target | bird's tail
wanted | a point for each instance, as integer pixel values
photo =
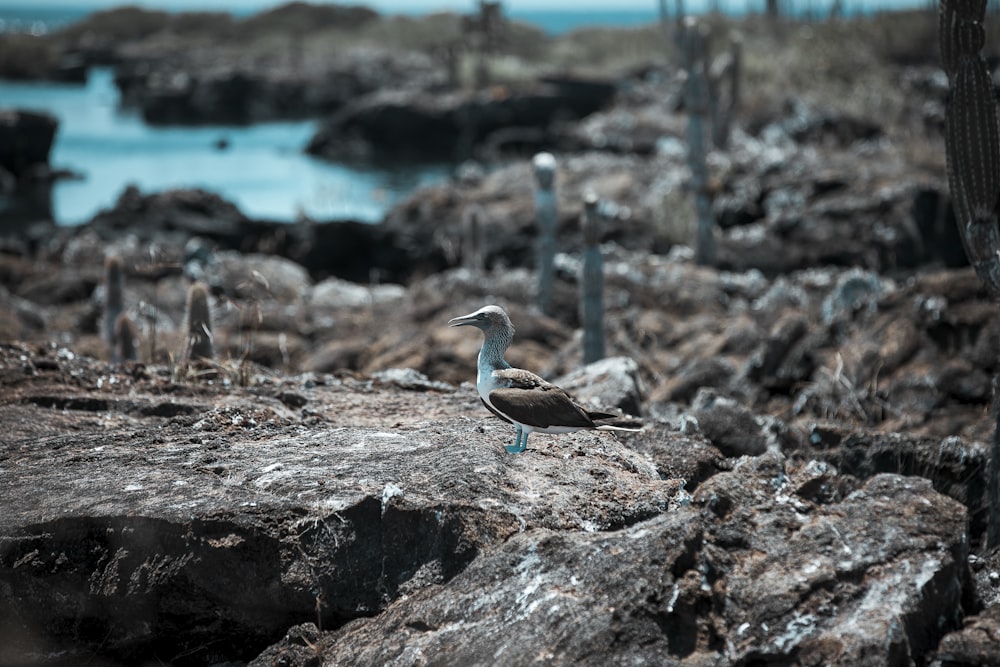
(610, 427)
(608, 422)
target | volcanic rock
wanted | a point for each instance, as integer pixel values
(746, 571)
(25, 141)
(26, 177)
(416, 124)
(163, 520)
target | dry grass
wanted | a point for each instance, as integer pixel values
(608, 51)
(121, 24)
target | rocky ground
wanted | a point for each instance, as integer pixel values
(349, 486)
(807, 487)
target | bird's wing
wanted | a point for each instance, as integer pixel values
(597, 414)
(518, 378)
(532, 401)
(493, 410)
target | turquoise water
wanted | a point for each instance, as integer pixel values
(264, 171)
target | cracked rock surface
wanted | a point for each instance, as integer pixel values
(210, 523)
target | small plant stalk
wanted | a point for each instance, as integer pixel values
(726, 69)
(127, 339)
(592, 283)
(472, 239)
(546, 216)
(114, 303)
(696, 100)
(199, 324)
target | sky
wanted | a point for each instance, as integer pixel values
(386, 6)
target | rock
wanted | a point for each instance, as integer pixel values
(977, 643)
(783, 358)
(746, 571)
(960, 380)
(189, 93)
(259, 278)
(902, 340)
(333, 293)
(790, 223)
(409, 379)
(854, 290)
(19, 316)
(180, 98)
(641, 129)
(678, 453)
(337, 355)
(731, 427)
(225, 81)
(417, 125)
(174, 215)
(351, 250)
(25, 141)
(72, 284)
(178, 510)
(808, 126)
(985, 566)
(357, 251)
(26, 177)
(955, 467)
(712, 372)
(609, 383)
(303, 16)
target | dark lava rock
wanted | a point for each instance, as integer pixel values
(711, 372)
(195, 90)
(745, 573)
(421, 125)
(25, 140)
(200, 535)
(955, 467)
(609, 383)
(730, 426)
(173, 214)
(346, 249)
(808, 126)
(977, 643)
(26, 178)
(149, 513)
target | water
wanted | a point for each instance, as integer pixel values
(263, 171)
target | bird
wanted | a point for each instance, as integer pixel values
(520, 397)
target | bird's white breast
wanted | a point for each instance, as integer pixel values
(485, 380)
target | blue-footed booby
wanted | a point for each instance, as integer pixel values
(518, 396)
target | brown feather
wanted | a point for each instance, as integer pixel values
(567, 409)
(531, 400)
(493, 410)
(519, 378)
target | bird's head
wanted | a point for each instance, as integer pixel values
(487, 318)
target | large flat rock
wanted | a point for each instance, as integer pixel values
(213, 530)
(188, 520)
(748, 573)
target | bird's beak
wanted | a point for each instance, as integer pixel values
(463, 321)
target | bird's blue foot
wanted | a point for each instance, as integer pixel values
(520, 441)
